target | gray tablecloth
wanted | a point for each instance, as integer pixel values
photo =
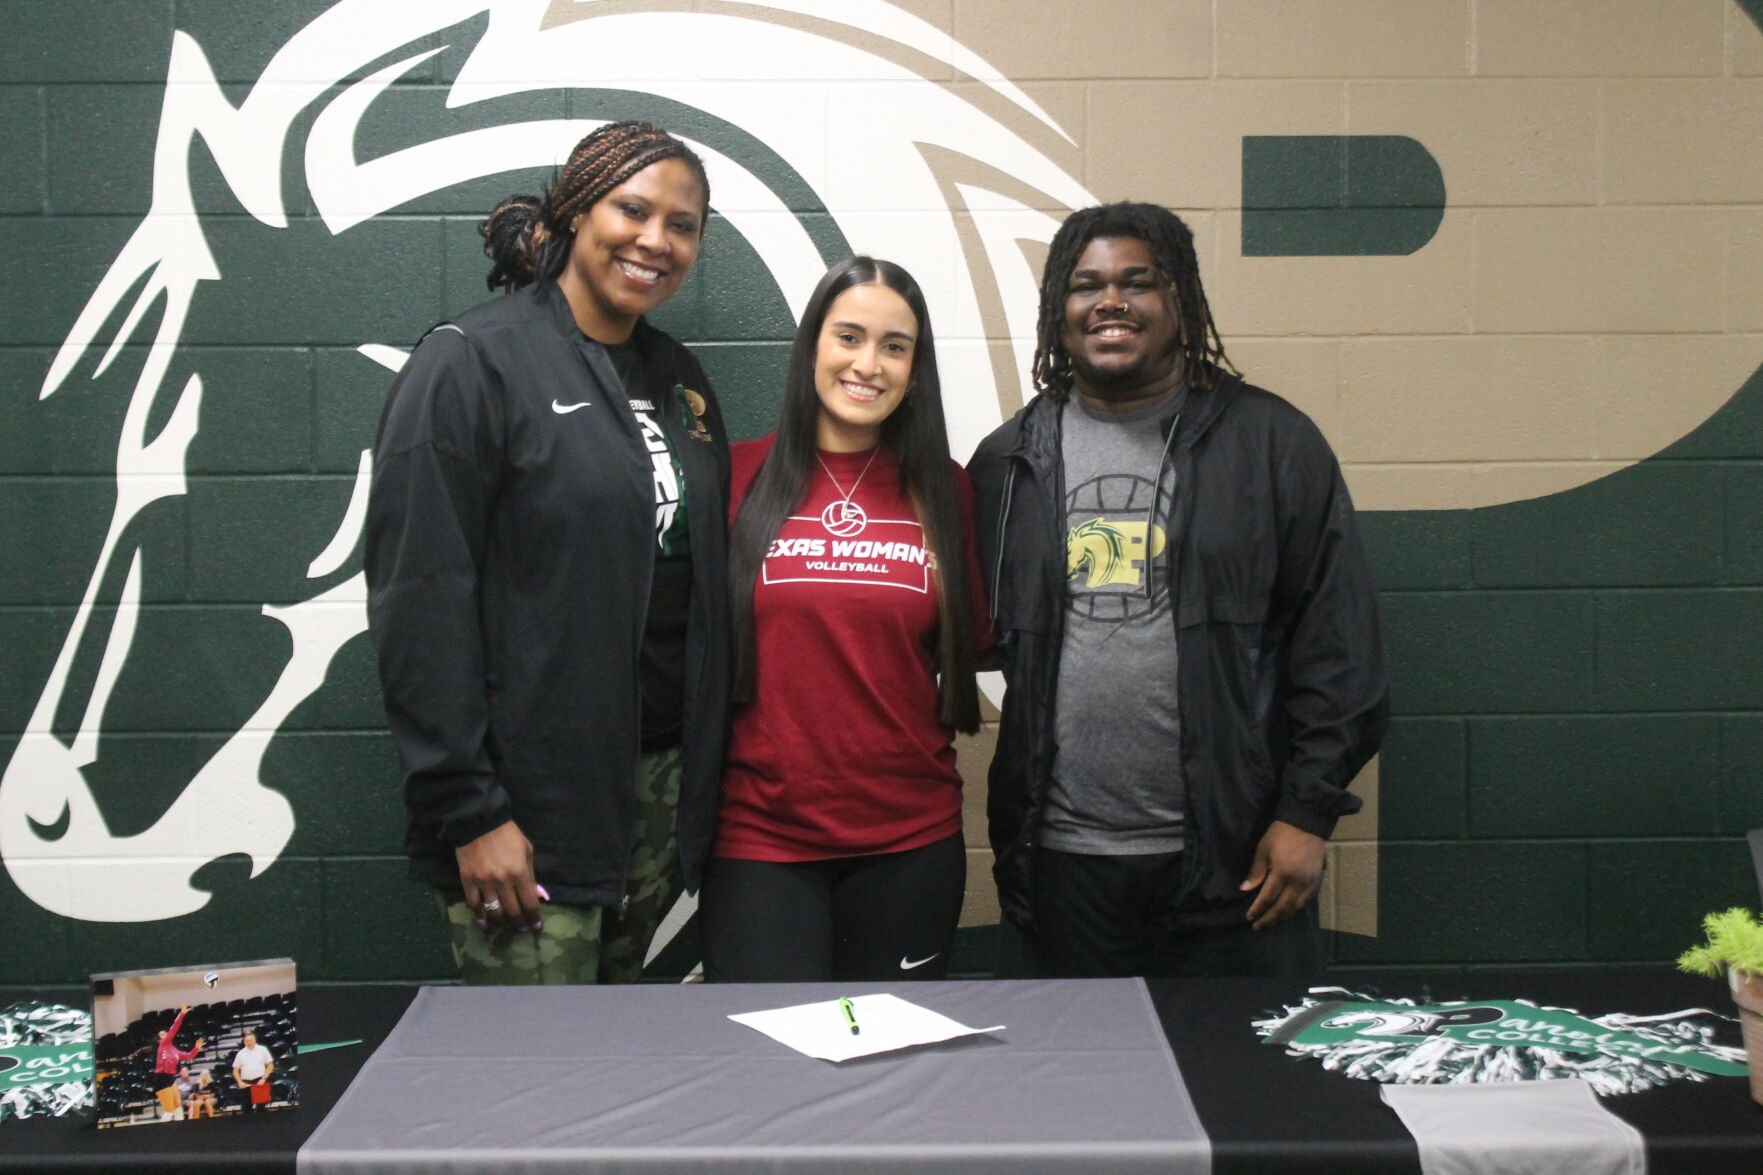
(644, 1079)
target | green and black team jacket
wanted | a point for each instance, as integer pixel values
(510, 541)
(1282, 686)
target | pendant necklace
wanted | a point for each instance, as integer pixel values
(845, 518)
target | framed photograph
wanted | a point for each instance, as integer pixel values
(183, 1043)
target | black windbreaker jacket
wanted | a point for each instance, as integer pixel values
(510, 541)
(1282, 685)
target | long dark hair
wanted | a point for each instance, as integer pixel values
(1171, 243)
(520, 255)
(917, 437)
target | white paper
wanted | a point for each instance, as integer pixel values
(885, 1023)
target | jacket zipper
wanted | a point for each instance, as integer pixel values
(634, 431)
(1056, 637)
(1191, 850)
(1151, 517)
(1003, 518)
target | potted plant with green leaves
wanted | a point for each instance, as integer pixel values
(1735, 948)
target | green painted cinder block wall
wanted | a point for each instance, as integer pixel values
(1578, 741)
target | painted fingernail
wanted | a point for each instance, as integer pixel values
(544, 894)
(538, 926)
(482, 925)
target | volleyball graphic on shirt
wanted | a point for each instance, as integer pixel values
(844, 518)
(890, 553)
(1115, 535)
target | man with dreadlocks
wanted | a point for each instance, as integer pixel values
(1189, 629)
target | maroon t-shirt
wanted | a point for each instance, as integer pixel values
(841, 753)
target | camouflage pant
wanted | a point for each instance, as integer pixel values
(587, 944)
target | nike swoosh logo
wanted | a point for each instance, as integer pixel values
(908, 964)
(565, 409)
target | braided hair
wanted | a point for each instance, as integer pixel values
(1171, 243)
(528, 238)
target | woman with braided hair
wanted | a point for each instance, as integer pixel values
(546, 577)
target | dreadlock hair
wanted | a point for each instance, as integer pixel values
(917, 436)
(1172, 247)
(528, 238)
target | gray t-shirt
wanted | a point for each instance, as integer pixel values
(1117, 784)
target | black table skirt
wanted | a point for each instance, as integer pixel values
(253, 1144)
(1265, 1112)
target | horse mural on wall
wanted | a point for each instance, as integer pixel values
(933, 150)
(963, 178)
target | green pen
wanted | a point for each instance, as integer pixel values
(850, 1017)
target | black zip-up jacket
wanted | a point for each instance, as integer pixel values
(509, 547)
(1281, 682)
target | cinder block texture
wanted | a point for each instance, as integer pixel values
(1462, 902)
(1492, 652)
(1423, 780)
(405, 939)
(1741, 769)
(1674, 650)
(1339, 196)
(1576, 270)
(1169, 38)
(21, 150)
(1593, 776)
(1479, 397)
(1198, 129)
(1744, 270)
(1585, 38)
(1744, 41)
(348, 785)
(1529, 142)
(1548, 404)
(1354, 888)
(239, 50)
(1652, 387)
(1659, 523)
(1343, 38)
(64, 41)
(52, 274)
(1417, 548)
(1648, 897)
(119, 181)
(1421, 293)
(1682, 142)
(302, 286)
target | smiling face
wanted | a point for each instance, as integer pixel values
(633, 248)
(1122, 329)
(862, 365)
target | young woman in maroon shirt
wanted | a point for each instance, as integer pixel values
(858, 615)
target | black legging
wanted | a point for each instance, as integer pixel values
(886, 917)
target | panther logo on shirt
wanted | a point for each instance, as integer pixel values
(1111, 551)
(1113, 539)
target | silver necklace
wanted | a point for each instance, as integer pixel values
(845, 518)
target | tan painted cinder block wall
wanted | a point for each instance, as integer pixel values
(1582, 143)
